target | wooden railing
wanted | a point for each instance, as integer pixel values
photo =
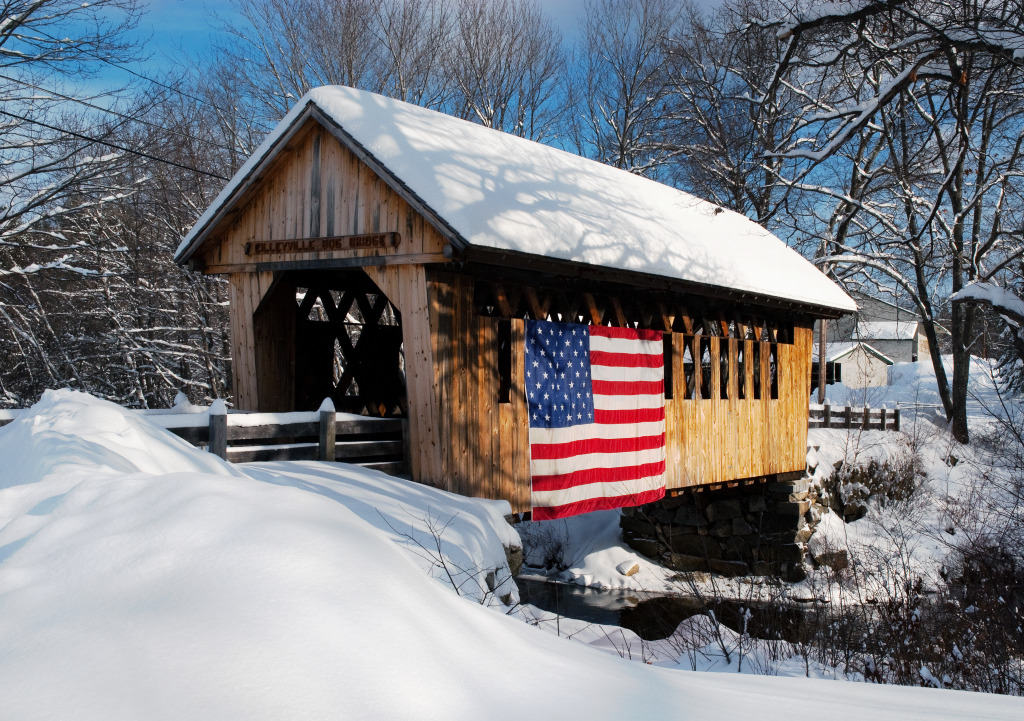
(829, 416)
(303, 436)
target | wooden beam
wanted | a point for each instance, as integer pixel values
(723, 324)
(666, 319)
(537, 309)
(361, 261)
(822, 361)
(687, 320)
(315, 188)
(620, 316)
(504, 307)
(595, 314)
(741, 327)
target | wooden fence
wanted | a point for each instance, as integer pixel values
(303, 436)
(829, 416)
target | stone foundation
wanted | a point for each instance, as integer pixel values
(760, 529)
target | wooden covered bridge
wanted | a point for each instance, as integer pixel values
(389, 256)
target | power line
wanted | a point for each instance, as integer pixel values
(115, 112)
(139, 75)
(107, 143)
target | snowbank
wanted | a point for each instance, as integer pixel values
(913, 386)
(142, 579)
(588, 550)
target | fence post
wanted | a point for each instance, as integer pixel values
(896, 418)
(881, 412)
(328, 425)
(849, 417)
(826, 416)
(867, 419)
(219, 429)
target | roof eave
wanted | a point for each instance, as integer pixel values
(312, 111)
(518, 259)
(227, 204)
(452, 236)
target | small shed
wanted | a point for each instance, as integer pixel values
(855, 365)
(388, 256)
(892, 330)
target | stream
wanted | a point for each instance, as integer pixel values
(655, 616)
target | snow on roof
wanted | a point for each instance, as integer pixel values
(504, 192)
(835, 351)
(887, 330)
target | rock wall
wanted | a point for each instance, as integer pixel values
(760, 529)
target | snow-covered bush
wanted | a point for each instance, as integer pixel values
(889, 480)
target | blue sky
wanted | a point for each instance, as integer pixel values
(175, 25)
(189, 25)
(172, 30)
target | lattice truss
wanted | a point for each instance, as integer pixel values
(698, 322)
(349, 347)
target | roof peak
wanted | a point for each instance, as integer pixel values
(508, 194)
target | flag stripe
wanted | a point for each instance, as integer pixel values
(625, 403)
(616, 373)
(548, 513)
(546, 451)
(623, 345)
(591, 430)
(589, 461)
(582, 479)
(627, 360)
(627, 388)
(640, 415)
(607, 331)
(624, 490)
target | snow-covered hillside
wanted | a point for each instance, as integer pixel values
(143, 579)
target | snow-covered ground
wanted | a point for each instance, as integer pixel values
(141, 578)
(912, 387)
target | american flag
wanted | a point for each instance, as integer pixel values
(596, 399)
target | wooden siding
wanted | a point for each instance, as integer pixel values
(406, 287)
(315, 188)
(316, 185)
(245, 293)
(462, 437)
(717, 440)
(485, 443)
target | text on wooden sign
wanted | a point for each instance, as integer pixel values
(321, 245)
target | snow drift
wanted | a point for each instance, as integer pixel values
(143, 579)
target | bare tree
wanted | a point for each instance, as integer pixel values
(504, 61)
(123, 322)
(923, 101)
(726, 115)
(620, 116)
(50, 164)
(280, 49)
(410, 34)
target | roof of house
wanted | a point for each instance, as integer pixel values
(498, 191)
(874, 305)
(837, 351)
(886, 330)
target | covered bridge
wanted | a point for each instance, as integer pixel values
(387, 256)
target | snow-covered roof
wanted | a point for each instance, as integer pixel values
(887, 330)
(835, 351)
(499, 191)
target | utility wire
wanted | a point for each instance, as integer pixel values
(115, 112)
(107, 143)
(139, 75)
